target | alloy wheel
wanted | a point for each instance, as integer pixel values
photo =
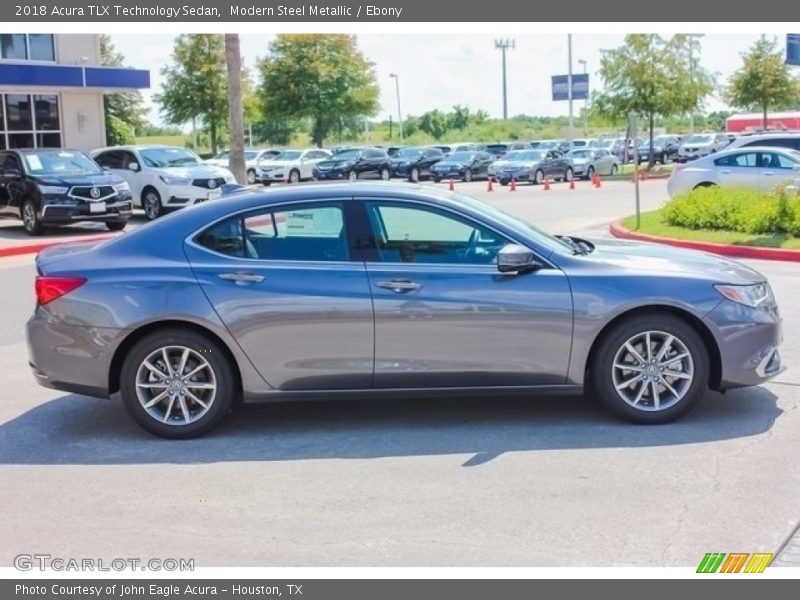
(29, 217)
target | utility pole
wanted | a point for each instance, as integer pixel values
(233, 60)
(585, 102)
(396, 78)
(569, 88)
(692, 37)
(503, 45)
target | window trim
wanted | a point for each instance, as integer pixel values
(5, 132)
(191, 239)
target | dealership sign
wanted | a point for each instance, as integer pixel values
(793, 49)
(580, 87)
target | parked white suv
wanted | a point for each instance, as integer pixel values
(252, 156)
(774, 139)
(291, 165)
(163, 178)
(698, 145)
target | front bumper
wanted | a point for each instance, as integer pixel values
(273, 175)
(95, 211)
(178, 196)
(455, 173)
(507, 176)
(331, 174)
(749, 342)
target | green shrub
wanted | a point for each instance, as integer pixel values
(118, 132)
(735, 209)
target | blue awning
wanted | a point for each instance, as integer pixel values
(73, 76)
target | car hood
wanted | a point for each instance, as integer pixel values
(580, 161)
(85, 179)
(452, 163)
(658, 258)
(515, 164)
(217, 162)
(333, 163)
(194, 172)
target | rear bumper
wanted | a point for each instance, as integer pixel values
(71, 358)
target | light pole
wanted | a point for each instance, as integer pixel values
(582, 62)
(399, 112)
(569, 88)
(503, 45)
(692, 37)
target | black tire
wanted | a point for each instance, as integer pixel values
(589, 173)
(267, 183)
(384, 174)
(294, 176)
(604, 355)
(705, 184)
(116, 225)
(251, 176)
(151, 203)
(568, 174)
(211, 352)
(468, 176)
(503, 183)
(30, 218)
(435, 179)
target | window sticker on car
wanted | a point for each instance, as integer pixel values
(33, 162)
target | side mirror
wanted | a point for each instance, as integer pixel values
(105, 168)
(12, 174)
(134, 166)
(513, 258)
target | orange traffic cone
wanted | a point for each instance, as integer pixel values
(513, 187)
(572, 182)
(546, 184)
(643, 175)
(489, 185)
(452, 186)
(597, 181)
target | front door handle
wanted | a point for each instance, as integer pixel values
(242, 278)
(399, 286)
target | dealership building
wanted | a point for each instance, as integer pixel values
(52, 88)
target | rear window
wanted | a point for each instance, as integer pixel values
(793, 143)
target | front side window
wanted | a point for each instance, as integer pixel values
(306, 233)
(745, 159)
(421, 235)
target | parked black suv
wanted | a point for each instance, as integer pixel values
(48, 186)
(415, 163)
(355, 163)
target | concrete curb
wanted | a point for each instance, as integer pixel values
(755, 252)
(35, 248)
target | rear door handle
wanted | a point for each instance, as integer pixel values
(241, 277)
(399, 286)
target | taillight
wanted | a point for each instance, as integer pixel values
(52, 288)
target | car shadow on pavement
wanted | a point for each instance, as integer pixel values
(75, 430)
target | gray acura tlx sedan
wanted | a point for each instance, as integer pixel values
(382, 289)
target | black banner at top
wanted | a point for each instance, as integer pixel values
(443, 11)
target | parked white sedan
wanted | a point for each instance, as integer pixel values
(252, 156)
(291, 165)
(163, 178)
(753, 167)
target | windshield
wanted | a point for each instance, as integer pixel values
(409, 153)
(581, 153)
(524, 155)
(58, 162)
(347, 154)
(461, 156)
(289, 155)
(699, 139)
(167, 158)
(545, 238)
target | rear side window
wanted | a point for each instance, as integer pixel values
(296, 233)
(793, 143)
(745, 159)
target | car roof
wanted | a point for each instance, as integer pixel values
(791, 151)
(28, 150)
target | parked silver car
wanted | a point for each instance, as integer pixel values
(754, 167)
(588, 161)
(699, 145)
(374, 290)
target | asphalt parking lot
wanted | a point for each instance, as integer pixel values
(499, 482)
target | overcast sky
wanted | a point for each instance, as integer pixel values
(440, 70)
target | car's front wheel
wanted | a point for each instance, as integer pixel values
(176, 384)
(151, 203)
(30, 218)
(650, 369)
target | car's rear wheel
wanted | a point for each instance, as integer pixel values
(650, 369)
(116, 225)
(30, 218)
(176, 384)
(151, 203)
(251, 176)
(468, 175)
(539, 177)
(385, 174)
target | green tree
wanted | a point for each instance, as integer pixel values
(196, 84)
(323, 79)
(434, 123)
(459, 118)
(651, 76)
(764, 80)
(124, 112)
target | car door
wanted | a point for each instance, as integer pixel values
(118, 161)
(444, 315)
(775, 168)
(8, 166)
(739, 170)
(289, 286)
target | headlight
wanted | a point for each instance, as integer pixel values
(749, 295)
(52, 189)
(122, 187)
(175, 180)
